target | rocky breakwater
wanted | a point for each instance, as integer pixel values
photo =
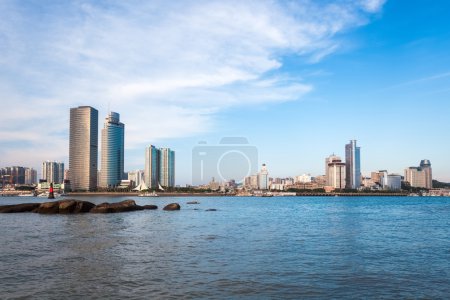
(72, 206)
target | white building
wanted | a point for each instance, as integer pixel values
(305, 178)
(137, 177)
(263, 178)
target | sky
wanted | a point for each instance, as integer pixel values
(298, 79)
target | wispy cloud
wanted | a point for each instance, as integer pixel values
(167, 67)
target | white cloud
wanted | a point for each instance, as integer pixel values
(168, 68)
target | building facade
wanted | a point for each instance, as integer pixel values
(335, 172)
(420, 176)
(166, 167)
(151, 168)
(83, 148)
(112, 151)
(352, 165)
(263, 178)
(53, 171)
(30, 176)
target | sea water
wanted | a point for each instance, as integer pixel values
(250, 248)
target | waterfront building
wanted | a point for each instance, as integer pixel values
(136, 177)
(335, 172)
(83, 148)
(305, 178)
(112, 151)
(263, 178)
(166, 167)
(352, 165)
(420, 176)
(13, 175)
(151, 168)
(30, 176)
(53, 171)
(391, 182)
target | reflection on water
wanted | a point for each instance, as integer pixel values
(249, 248)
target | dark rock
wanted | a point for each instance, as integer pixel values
(123, 206)
(83, 207)
(172, 206)
(48, 208)
(66, 206)
(211, 209)
(150, 206)
(193, 202)
(18, 208)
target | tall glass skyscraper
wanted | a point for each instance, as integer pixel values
(352, 165)
(151, 170)
(112, 151)
(83, 148)
(167, 167)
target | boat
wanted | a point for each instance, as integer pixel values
(148, 194)
(27, 195)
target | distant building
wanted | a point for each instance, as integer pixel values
(136, 177)
(151, 171)
(392, 182)
(335, 172)
(53, 171)
(83, 148)
(263, 178)
(420, 176)
(305, 178)
(167, 167)
(352, 165)
(30, 176)
(112, 151)
(13, 175)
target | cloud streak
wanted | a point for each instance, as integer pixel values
(168, 68)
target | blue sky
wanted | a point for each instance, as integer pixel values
(297, 78)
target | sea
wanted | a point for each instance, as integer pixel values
(249, 248)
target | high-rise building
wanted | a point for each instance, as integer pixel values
(112, 151)
(13, 175)
(352, 165)
(83, 148)
(151, 168)
(53, 171)
(30, 176)
(263, 178)
(420, 176)
(166, 167)
(335, 172)
(425, 165)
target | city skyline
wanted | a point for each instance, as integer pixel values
(310, 76)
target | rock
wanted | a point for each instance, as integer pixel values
(18, 208)
(193, 202)
(48, 208)
(172, 206)
(66, 206)
(211, 209)
(83, 207)
(123, 206)
(150, 206)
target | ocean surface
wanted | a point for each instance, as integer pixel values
(250, 248)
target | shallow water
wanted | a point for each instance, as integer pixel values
(252, 248)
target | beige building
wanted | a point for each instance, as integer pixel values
(335, 172)
(83, 148)
(420, 176)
